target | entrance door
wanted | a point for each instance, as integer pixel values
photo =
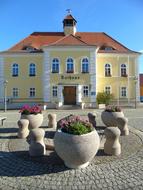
(69, 95)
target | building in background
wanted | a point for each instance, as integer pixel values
(141, 87)
(68, 68)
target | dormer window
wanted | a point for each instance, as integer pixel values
(29, 48)
(107, 48)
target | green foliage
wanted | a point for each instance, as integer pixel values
(75, 125)
(79, 129)
(104, 98)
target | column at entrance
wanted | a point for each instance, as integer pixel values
(79, 94)
(60, 95)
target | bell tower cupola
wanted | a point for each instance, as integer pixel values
(69, 24)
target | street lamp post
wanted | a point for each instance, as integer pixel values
(135, 81)
(5, 95)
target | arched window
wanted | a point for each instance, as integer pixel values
(123, 70)
(15, 70)
(85, 65)
(70, 65)
(55, 65)
(107, 70)
(32, 69)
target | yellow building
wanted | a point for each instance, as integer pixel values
(67, 68)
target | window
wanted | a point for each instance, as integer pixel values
(55, 91)
(55, 65)
(123, 70)
(107, 70)
(85, 65)
(32, 92)
(85, 91)
(108, 89)
(123, 92)
(108, 48)
(15, 92)
(32, 70)
(70, 65)
(15, 70)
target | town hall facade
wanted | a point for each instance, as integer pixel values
(67, 68)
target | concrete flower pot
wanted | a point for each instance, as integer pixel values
(110, 118)
(35, 120)
(76, 150)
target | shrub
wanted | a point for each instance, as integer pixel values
(104, 98)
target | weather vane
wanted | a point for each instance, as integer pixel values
(69, 11)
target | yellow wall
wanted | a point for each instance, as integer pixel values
(77, 56)
(23, 82)
(116, 82)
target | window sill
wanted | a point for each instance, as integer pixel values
(108, 75)
(69, 72)
(124, 75)
(14, 75)
(32, 75)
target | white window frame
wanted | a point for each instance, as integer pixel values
(34, 90)
(15, 70)
(108, 86)
(122, 91)
(85, 88)
(84, 63)
(123, 68)
(15, 92)
(110, 66)
(33, 65)
(54, 63)
(72, 63)
(55, 89)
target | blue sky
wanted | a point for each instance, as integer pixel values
(121, 19)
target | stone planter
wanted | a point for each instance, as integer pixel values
(35, 120)
(110, 118)
(76, 150)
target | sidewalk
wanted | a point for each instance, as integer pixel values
(19, 171)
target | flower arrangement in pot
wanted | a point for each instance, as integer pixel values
(110, 114)
(76, 141)
(33, 114)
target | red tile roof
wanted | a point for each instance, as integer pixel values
(69, 40)
(39, 39)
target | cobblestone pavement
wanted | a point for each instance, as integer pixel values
(19, 171)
